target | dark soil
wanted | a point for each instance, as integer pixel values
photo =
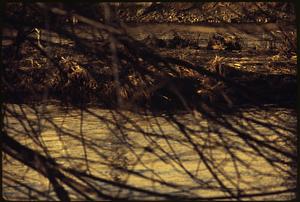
(38, 80)
(174, 72)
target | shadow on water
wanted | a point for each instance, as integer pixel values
(126, 155)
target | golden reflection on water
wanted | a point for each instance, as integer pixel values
(168, 160)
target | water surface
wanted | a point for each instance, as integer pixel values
(187, 154)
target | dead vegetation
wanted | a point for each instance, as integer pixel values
(150, 73)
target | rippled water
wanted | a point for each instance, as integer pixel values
(154, 152)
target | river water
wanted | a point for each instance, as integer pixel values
(184, 154)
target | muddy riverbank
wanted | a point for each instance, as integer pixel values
(81, 78)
